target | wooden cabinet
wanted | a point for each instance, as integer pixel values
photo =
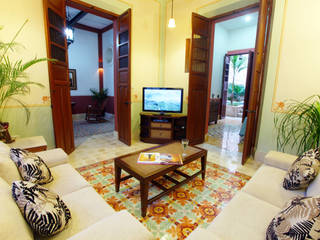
(162, 128)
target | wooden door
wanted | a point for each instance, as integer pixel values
(123, 82)
(224, 86)
(248, 85)
(198, 79)
(257, 78)
(55, 23)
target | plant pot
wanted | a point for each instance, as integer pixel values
(4, 133)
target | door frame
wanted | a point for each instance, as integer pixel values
(249, 75)
(226, 16)
(83, 6)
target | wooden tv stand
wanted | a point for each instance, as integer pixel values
(156, 128)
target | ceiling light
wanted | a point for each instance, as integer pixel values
(247, 18)
(172, 22)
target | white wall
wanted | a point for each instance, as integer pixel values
(83, 56)
(108, 70)
(220, 49)
(228, 40)
(242, 38)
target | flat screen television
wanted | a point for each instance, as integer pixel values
(163, 100)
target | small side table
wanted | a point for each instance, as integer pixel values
(31, 144)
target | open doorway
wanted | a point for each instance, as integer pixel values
(59, 78)
(91, 72)
(234, 42)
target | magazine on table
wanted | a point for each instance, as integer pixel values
(160, 158)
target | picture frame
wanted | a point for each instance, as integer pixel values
(73, 79)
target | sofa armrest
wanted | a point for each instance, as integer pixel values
(120, 225)
(53, 157)
(279, 159)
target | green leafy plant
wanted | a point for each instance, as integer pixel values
(99, 96)
(298, 126)
(238, 63)
(13, 77)
(238, 91)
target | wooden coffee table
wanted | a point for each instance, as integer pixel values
(147, 174)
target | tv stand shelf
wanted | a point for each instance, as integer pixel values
(156, 128)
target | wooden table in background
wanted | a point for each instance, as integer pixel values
(147, 174)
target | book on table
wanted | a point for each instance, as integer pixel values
(160, 158)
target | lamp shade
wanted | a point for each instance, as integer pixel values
(172, 23)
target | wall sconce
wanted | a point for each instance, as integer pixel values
(100, 69)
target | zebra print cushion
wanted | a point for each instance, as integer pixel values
(299, 220)
(303, 171)
(44, 211)
(31, 167)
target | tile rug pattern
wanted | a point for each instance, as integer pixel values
(174, 216)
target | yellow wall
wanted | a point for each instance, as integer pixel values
(13, 14)
(293, 71)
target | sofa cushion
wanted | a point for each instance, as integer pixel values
(31, 167)
(303, 171)
(245, 217)
(87, 208)
(201, 234)
(66, 180)
(266, 184)
(43, 209)
(4, 148)
(8, 170)
(120, 225)
(300, 219)
(13, 225)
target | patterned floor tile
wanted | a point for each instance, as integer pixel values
(176, 215)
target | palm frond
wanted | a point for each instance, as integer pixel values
(299, 126)
(13, 76)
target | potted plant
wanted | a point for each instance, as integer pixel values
(13, 78)
(298, 126)
(96, 113)
(99, 96)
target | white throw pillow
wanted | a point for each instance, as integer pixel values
(43, 209)
(31, 167)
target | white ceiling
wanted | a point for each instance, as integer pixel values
(240, 22)
(89, 19)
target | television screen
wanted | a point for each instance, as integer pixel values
(162, 100)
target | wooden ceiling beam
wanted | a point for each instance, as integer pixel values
(76, 18)
(107, 28)
(86, 28)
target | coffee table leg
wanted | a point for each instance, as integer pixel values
(144, 188)
(117, 174)
(203, 166)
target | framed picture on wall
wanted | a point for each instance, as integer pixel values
(73, 79)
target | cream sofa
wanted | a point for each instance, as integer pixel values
(92, 217)
(249, 213)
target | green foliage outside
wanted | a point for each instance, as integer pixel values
(238, 63)
(238, 93)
